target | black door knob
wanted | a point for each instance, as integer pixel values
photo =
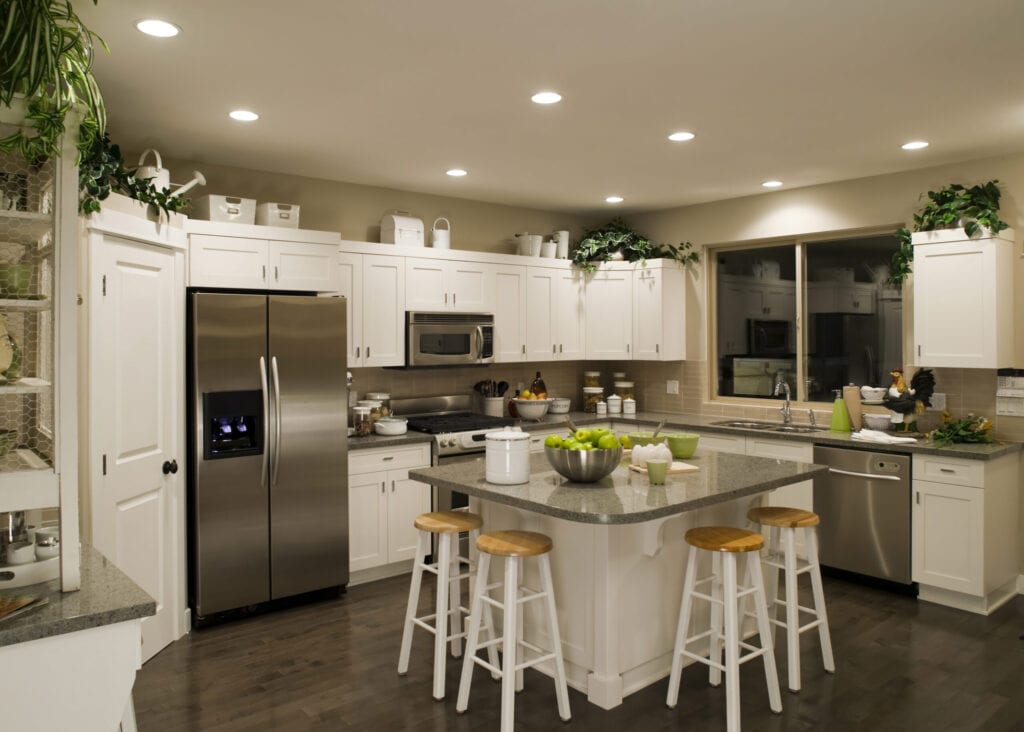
(170, 466)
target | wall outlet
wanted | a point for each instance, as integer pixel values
(938, 401)
(672, 386)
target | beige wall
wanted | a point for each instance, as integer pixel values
(355, 210)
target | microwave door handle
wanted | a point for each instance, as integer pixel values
(479, 342)
(266, 421)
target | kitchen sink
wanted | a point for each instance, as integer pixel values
(799, 428)
(751, 424)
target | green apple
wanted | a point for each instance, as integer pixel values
(583, 435)
(571, 444)
(598, 432)
(553, 441)
(608, 442)
(625, 442)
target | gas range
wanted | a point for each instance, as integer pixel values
(456, 430)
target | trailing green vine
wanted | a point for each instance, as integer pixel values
(600, 245)
(102, 170)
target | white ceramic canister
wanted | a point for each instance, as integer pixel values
(535, 243)
(614, 404)
(508, 457)
(629, 406)
(441, 238)
(602, 409)
(561, 244)
(547, 249)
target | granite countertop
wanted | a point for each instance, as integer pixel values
(409, 438)
(107, 597)
(625, 497)
(705, 423)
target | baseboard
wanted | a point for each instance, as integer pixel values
(985, 605)
(378, 573)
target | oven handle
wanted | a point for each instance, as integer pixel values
(869, 476)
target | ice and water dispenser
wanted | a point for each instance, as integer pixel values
(233, 422)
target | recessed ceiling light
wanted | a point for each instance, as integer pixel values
(772, 183)
(244, 115)
(615, 199)
(681, 136)
(914, 145)
(546, 97)
(456, 172)
(158, 28)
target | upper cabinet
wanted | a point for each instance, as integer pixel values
(261, 258)
(374, 286)
(440, 285)
(510, 316)
(609, 300)
(841, 297)
(555, 322)
(659, 312)
(963, 299)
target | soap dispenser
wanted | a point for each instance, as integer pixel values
(840, 415)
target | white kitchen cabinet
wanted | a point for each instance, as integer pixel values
(570, 315)
(659, 312)
(839, 297)
(383, 503)
(541, 304)
(374, 286)
(510, 313)
(796, 495)
(251, 261)
(964, 531)
(438, 285)
(609, 302)
(963, 299)
(778, 300)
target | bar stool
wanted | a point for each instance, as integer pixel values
(447, 569)
(725, 542)
(788, 521)
(513, 546)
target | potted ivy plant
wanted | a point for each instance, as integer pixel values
(615, 240)
(974, 209)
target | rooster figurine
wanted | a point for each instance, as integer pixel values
(902, 400)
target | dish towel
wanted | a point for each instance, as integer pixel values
(883, 437)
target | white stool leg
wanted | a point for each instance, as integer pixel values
(473, 637)
(455, 596)
(771, 673)
(561, 689)
(682, 629)
(423, 540)
(715, 639)
(792, 610)
(520, 609)
(772, 585)
(732, 644)
(819, 601)
(508, 650)
(444, 548)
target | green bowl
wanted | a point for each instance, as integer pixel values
(644, 438)
(682, 444)
(16, 279)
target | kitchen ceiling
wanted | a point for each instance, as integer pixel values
(394, 93)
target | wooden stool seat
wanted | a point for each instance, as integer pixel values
(514, 543)
(786, 518)
(724, 539)
(448, 522)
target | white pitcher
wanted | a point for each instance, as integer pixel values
(441, 238)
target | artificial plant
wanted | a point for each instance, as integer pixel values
(601, 245)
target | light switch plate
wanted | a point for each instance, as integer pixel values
(672, 387)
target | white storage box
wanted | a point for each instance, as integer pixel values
(401, 230)
(225, 208)
(278, 214)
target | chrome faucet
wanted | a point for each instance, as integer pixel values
(782, 387)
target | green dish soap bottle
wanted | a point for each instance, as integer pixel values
(840, 415)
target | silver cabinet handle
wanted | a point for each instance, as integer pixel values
(561, 347)
(264, 273)
(389, 457)
(277, 418)
(453, 299)
(275, 273)
(524, 349)
(657, 348)
(552, 348)
(367, 351)
(266, 421)
(869, 476)
(627, 348)
(357, 351)
(946, 470)
(446, 298)
(392, 486)
(382, 489)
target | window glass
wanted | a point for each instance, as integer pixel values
(756, 308)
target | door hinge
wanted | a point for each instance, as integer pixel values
(104, 285)
(104, 464)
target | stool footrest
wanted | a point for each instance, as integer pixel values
(495, 671)
(534, 662)
(776, 561)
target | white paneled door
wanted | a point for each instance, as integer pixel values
(136, 393)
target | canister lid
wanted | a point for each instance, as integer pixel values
(372, 403)
(591, 373)
(614, 397)
(378, 395)
(361, 410)
(593, 390)
(507, 436)
(619, 375)
(624, 383)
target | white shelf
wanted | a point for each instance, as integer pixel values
(24, 227)
(27, 482)
(44, 303)
(27, 385)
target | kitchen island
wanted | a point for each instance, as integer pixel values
(619, 554)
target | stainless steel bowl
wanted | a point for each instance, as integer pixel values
(584, 466)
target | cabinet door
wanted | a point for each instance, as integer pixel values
(855, 299)
(947, 531)
(350, 287)
(779, 302)
(648, 326)
(510, 314)
(795, 495)
(367, 520)
(225, 261)
(821, 297)
(472, 287)
(541, 306)
(426, 284)
(609, 320)
(383, 306)
(407, 499)
(302, 266)
(570, 315)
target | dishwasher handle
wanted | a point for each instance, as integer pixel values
(869, 476)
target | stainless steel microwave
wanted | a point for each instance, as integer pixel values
(448, 339)
(769, 337)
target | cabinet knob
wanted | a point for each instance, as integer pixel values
(170, 467)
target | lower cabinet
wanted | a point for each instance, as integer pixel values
(797, 495)
(383, 503)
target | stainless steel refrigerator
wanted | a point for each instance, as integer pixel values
(268, 467)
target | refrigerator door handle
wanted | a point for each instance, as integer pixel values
(266, 420)
(275, 375)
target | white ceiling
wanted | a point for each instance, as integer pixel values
(392, 93)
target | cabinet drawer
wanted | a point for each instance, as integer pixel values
(780, 449)
(722, 443)
(386, 458)
(949, 470)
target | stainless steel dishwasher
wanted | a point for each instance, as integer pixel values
(864, 505)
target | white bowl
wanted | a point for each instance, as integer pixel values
(879, 422)
(532, 408)
(391, 426)
(560, 405)
(873, 393)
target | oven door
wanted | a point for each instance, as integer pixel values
(449, 344)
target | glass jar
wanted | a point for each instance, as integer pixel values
(591, 379)
(624, 389)
(385, 401)
(361, 422)
(376, 409)
(591, 396)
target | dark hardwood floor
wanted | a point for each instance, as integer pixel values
(901, 665)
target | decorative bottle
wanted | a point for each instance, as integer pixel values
(840, 416)
(539, 388)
